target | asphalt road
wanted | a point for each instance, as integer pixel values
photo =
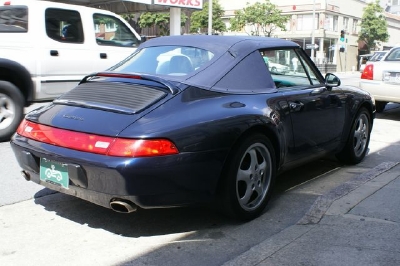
(39, 227)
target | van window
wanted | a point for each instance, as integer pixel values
(64, 25)
(112, 31)
(13, 19)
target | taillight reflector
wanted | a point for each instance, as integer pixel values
(110, 146)
(368, 72)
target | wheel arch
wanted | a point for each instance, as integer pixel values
(257, 129)
(19, 76)
(370, 108)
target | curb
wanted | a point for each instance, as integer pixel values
(323, 202)
(258, 253)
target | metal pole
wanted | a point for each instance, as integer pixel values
(175, 21)
(345, 55)
(312, 32)
(210, 2)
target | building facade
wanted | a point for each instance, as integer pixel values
(330, 18)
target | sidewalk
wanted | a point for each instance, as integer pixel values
(357, 223)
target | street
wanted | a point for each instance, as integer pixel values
(41, 227)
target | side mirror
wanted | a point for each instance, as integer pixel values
(331, 80)
(143, 38)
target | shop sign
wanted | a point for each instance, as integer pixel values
(197, 4)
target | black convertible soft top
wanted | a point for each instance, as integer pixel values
(236, 66)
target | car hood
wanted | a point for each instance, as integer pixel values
(103, 108)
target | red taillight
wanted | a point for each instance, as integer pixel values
(96, 144)
(7, 3)
(368, 72)
(141, 147)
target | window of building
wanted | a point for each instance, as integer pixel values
(395, 2)
(354, 28)
(331, 23)
(304, 22)
(346, 24)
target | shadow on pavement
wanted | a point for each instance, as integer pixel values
(175, 220)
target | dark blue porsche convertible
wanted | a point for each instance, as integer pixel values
(191, 119)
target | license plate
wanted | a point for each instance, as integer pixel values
(394, 77)
(54, 172)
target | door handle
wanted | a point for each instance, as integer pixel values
(53, 52)
(296, 106)
(103, 55)
(318, 91)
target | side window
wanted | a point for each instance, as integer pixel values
(288, 69)
(13, 19)
(112, 31)
(64, 25)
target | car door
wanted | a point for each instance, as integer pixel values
(317, 112)
(114, 40)
(64, 54)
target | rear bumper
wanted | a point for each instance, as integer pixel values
(165, 181)
(381, 91)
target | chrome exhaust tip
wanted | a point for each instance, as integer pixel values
(122, 206)
(26, 175)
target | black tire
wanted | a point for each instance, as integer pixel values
(11, 109)
(248, 178)
(380, 106)
(358, 140)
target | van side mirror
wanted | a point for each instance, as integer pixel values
(143, 38)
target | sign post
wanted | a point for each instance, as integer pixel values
(175, 11)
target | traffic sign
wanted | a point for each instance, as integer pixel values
(311, 46)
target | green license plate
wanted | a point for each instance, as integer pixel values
(54, 172)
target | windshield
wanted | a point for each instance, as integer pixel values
(165, 60)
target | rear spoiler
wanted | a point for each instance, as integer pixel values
(171, 87)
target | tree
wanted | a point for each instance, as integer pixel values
(199, 19)
(373, 26)
(159, 19)
(260, 18)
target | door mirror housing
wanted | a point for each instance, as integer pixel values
(331, 80)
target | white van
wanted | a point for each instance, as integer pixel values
(46, 48)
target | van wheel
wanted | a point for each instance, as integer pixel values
(248, 178)
(11, 109)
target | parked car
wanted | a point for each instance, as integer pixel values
(368, 58)
(191, 119)
(46, 48)
(382, 79)
(276, 68)
(377, 56)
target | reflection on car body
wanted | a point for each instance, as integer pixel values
(221, 128)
